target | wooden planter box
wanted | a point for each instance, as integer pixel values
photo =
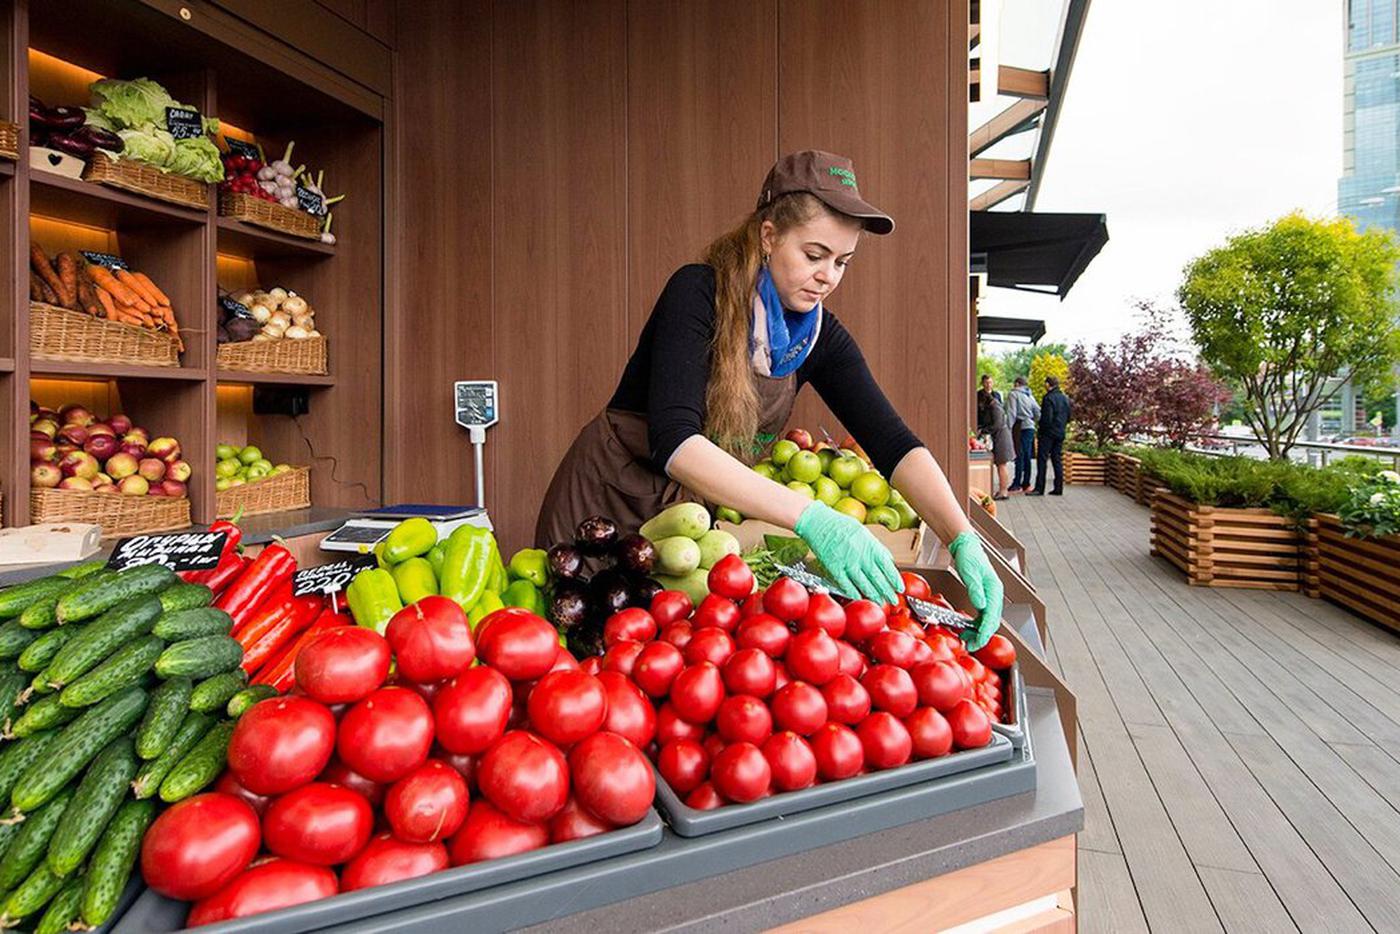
(1216, 547)
(1361, 574)
(1084, 470)
(1123, 473)
(1146, 487)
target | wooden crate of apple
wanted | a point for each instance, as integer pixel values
(239, 465)
(72, 449)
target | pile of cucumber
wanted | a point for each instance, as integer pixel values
(116, 687)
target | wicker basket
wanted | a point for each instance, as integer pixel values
(118, 515)
(244, 207)
(9, 140)
(147, 180)
(306, 356)
(59, 334)
(290, 489)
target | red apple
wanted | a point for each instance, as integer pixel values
(101, 428)
(167, 449)
(76, 415)
(120, 424)
(178, 470)
(102, 446)
(46, 412)
(172, 488)
(101, 478)
(76, 483)
(73, 434)
(122, 465)
(800, 437)
(47, 426)
(64, 449)
(134, 486)
(152, 469)
(105, 488)
(134, 448)
(45, 476)
(79, 464)
(42, 451)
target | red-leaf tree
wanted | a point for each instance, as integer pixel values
(1111, 382)
(1183, 400)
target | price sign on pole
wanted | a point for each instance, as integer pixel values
(330, 578)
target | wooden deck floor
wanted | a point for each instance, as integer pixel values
(1240, 750)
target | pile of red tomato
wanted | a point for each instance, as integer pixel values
(762, 693)
(453, 763)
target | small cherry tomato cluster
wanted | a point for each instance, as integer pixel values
(758, 693)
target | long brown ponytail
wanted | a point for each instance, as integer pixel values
(731, 399)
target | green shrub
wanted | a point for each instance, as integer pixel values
(1373, 508)
(1289, 489)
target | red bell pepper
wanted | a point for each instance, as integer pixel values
(231, 543)
(230, 567)
(303, 614)
(273, 567)
(277, 605)
(281, 671)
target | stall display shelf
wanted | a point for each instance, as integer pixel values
(280, 379)
(247, 240)
(7, 364)
(87, 369)
(7, 167)
(89, 203)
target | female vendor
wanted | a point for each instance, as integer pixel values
(714, 376)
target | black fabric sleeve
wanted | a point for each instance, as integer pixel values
(681, 326)
(838, 371)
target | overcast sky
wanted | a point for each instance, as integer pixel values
(1185, 122)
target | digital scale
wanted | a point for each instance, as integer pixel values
(476, 408)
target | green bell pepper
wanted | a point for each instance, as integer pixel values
(466, 565)
(409, 539)
(436, 554)
(415, 580)
(530, 564)
(374, 599)
(489, 603)
(526, 596)
(498, 580)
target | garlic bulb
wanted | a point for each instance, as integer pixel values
(261, 313)
(297, 333)
(278, 295)
(261, 337)
(294, 305)
(280, 318)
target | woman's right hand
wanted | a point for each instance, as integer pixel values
(856, 561)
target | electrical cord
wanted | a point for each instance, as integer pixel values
(335, 463)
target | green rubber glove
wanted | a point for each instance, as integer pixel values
(856, 561)
(984, 590)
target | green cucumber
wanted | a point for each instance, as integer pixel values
(76, 746)
(8, 831)
(169, 704)
(185, 597)
(27, 849)
(37, 655)
(43, 614)
(33, 894)
(17, 757)
(101, 638)
(214, 693)
(93, 597)
(14, 600)
(191, 731)
(114, 859)
(178, 625)
(39, 685)
(46, 713)
(239, 704)
(201, 765)
(12, 684)
(124, 667)
(200, 658)
(14, 639)
(65, 908)
(86, 569)
(100, 793)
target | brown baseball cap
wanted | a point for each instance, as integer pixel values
(829, 177)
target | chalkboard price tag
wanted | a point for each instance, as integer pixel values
(330, 578)
(926, 612)
(310, 202)
(240, 148)
(181, 551)
(236, 309)
(809, 580)
(104, 259)
(184, 122)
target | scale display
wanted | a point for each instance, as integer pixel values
(476, 403)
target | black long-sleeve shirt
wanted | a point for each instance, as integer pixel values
(666, 377)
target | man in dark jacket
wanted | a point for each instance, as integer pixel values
(1054, 419)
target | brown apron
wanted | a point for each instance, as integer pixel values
(607, 471)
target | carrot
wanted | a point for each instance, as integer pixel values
(36, 291)
(87, 298)
(109, 306)
(40, 261)
(103, 277)
(126, 278)
(160, 297)
(49, 296)
(68, 274)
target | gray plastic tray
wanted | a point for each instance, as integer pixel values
(1016, 708)
(153, 913)
(690, 822)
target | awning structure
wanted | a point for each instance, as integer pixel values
(1035, 252)
(1010, 330)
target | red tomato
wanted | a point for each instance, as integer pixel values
(575, 823)
(851, 661)
(464, 764)
(525, 776)
(744, 719)
(749, 671)
(863, 620)
(697, 692)
(385, 860)
(940, 685)
(812, 656)
(922, 653)
(427, 804)
(670, 727)
(593, 664)
(791, 760)
(678, 634)
(786, 599)
(766, 633)
(386, 735)
(903, 623)
(319, 823)
(566, 706)
(709, 644)
(431, 640)
(342, 665)
(741, 773)
(612, 779)
(998, 653)
(975, 669)
(277, 883)
(470, 712)
(684, 764)
(839, 752)
(281, 743)
(704, 798)
(716, 611)
(730, 577)
(781, 676)
(633, 623)
(714, 744)
(893, 648)
(753, 605)
(891, 689)
(970, 725)
(916, 586)
(886, 741)
(196, 846)
(846, 701)
(657, 665)
(670, 606)
(929, 733)
(490, 834)
(428, 692)
(799, 707)
(621, 657)
(566, 662)
(938, 651)
(228, 784)
(824, 613)
(338, 773)
(517, 643)
(630, 714)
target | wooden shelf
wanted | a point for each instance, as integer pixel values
(73, 199)
(280, 379)
(7, 166)
(7, 364)
(252, 242)
(101, 371)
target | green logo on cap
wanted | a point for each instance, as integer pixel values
(846, 175)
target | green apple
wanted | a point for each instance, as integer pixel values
(805, 466)
(827, 491)
(236, 481)
(263, 464)
(883, 515)
(249, 454)
(804, 488)
(224, 451)
(226, 468)
(851, 507)
(280, 469)
(844, 471)
(871, 489)
(725, 514)
(256, 473)
(222, 483)
(896, 497)
(766, 469)
(908, 518)
(827, 455)
(783, 451)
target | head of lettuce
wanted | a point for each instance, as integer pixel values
(136, 109)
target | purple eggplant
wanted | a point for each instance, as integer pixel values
(636, 553)
(65, 143)
(565, 561)
(65, 118)
(596, 536)
(98, 137)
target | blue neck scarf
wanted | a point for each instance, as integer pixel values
(790, 333)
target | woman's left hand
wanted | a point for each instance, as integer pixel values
(984, 590)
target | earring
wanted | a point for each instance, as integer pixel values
(765, 259)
